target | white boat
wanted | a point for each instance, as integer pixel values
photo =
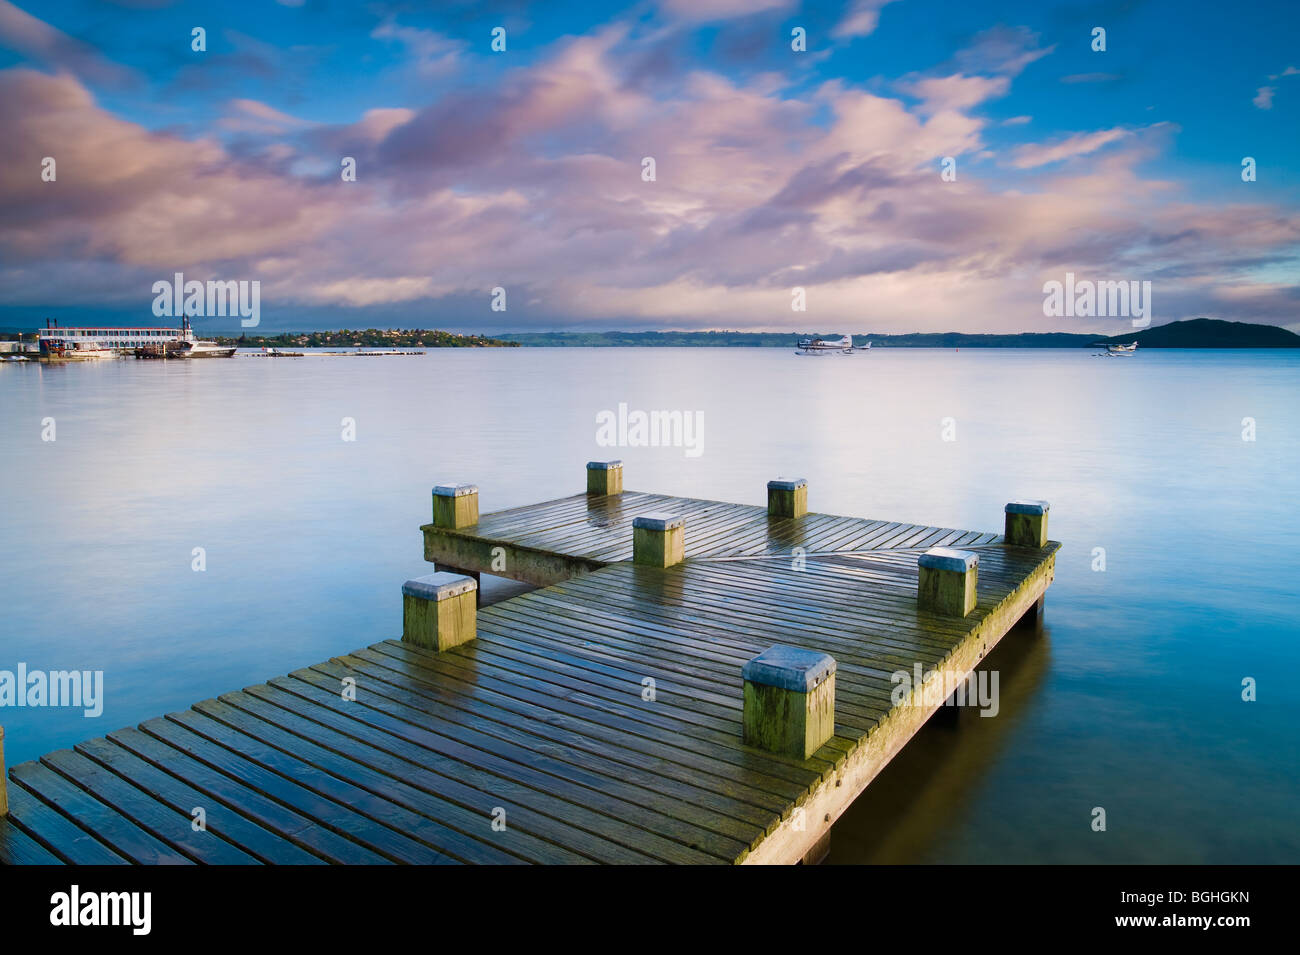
(1129, 349)
(197, 348)
(826, 346)
(58, 350)
(866, 347)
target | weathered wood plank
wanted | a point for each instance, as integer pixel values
(301, 830)
(431, 771)
(642, 827)
(168, 825)
(386, 777)
(55, 831)
(95, 816)
(262, 844)
(18, 848)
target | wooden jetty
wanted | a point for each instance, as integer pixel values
(694, 682)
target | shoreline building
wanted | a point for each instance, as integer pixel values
(80, 342)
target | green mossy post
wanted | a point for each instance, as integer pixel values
(787, 498)
(658, 540)
(455, 505)
(789, 700)
(948, 581)
(604, 477)
(1026, 523)
(439, 611)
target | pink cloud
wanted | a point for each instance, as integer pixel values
(861, 19)
(1080, 144)
(957, 92)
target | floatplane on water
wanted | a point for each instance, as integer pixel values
(830, 346)
(1129, 349)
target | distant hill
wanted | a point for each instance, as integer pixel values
(1194, 333)
(1211, 333)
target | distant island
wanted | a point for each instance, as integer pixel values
(369, 338)
(1193, 333)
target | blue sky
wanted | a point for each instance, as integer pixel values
(775, 168)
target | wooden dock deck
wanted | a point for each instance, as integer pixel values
(597, 719)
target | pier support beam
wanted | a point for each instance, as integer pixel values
(819, 851)
(4, 778)
(658, 540)
(789, 700)
(439, 611)
(948, 580)
(604, 477)
(787, 498)
(1033, 617)
(1026, 523)
(455, 505)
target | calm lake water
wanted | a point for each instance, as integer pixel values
(1130, 699)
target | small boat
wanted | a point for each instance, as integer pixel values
(58, 350)
(197, 348)
(866, 347)
(1129, 349)
(826, 346)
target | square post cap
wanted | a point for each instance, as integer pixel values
(945, 558)
(789, 668)
(787, 484)
(658, 521)
(454, 490)
(439, 586)
(604, 465)
(1036, 508)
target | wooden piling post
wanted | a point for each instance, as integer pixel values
(4, 778)
(658, 540)
(439, 611)
(455, 505)
(1026, 523)
(604, 477)
(789, 700)
(787, 497)
(948, 580)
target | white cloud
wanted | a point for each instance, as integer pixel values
(957, 92)
(701, 11)
(433, 53)
(1081, 144)
(861, 19)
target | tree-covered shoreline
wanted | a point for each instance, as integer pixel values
(367, 338)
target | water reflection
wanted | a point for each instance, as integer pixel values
(910, 810)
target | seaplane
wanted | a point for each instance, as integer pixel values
(1128, 350)
(826, 346)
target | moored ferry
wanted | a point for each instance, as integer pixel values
(57, 343)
